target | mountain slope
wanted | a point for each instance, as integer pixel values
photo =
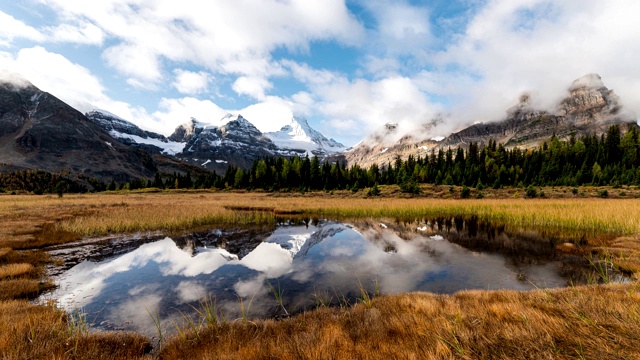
(299, 138)
(130, 134)
(233, 140)
(589, 108)
(38, 131)
(378, 149)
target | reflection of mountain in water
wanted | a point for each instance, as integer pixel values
(303, 260)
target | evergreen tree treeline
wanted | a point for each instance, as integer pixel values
(610, 159)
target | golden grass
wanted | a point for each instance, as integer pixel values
(16, 270)
(595, 322)
(19, 288)
(42, 332)
(581, 322)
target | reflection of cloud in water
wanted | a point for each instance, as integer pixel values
(83, 282)
(190, 291)
(135, 313)
(328, 258)
(251, 288)
(270, 259)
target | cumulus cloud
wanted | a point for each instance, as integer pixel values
(189, 82)
(11, 28)
(218, 36)
(83, 33)
(539, 46)
(402, 28)
(255, 87)
(68, 81)
(406, 72)
(173, 112)
(354, 108)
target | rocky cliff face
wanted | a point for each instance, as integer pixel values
(377, 149)
(590, 107)
(231, 141)
(235, 142)
(132, 135)
(38, 131)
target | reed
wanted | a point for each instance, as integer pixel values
(500, 324)
(469, 325)
(15, 270)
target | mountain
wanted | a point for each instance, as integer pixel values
(298, 138)
(39, 131)
(233, 140)
(589, 108)
(130, 134)
(378, 149)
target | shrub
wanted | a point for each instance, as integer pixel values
(603, 193)
(574, 191)
(374, 191)
(531, 192)
(410, 187)
(355, 187)
(465, 193)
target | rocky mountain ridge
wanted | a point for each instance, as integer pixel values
(233, 140)
(40, 132)
(589, 107)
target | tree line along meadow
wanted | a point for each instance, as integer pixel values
(612, 159)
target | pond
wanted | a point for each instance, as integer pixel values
(119, 283)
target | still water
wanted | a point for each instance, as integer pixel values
(310, 262)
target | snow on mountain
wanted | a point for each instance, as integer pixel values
(298, 135)
(167, 147)
(131, 134)
(230, 140)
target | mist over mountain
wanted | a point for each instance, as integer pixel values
(588, 107)
(38, 131)
(233, 140)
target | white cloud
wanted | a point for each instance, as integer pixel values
(173, 112)
(84, 33)
(271, 114)
(355, 108)
(135, 61)
(68, 81)
(402, 28)
(189, 82)
(539, 46)
(11, 28)
(234, 37)
(252, 86)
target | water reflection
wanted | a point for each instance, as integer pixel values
(316, 261)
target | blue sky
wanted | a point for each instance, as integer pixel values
(347, 66)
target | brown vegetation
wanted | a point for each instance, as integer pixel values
(44, 332)
(592, 321)
(595, 322)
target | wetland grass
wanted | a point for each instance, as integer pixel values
(596, 321)
(469, 325)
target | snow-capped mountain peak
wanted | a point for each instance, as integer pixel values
(299, 135)
(110, 121)
(130, 134)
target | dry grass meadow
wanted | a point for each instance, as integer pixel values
(594, 321)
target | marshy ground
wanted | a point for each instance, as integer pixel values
(591, 321)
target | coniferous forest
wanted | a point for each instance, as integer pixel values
(610, 159)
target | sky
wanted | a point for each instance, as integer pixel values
(348, 66)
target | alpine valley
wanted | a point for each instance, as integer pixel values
(40, 132)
